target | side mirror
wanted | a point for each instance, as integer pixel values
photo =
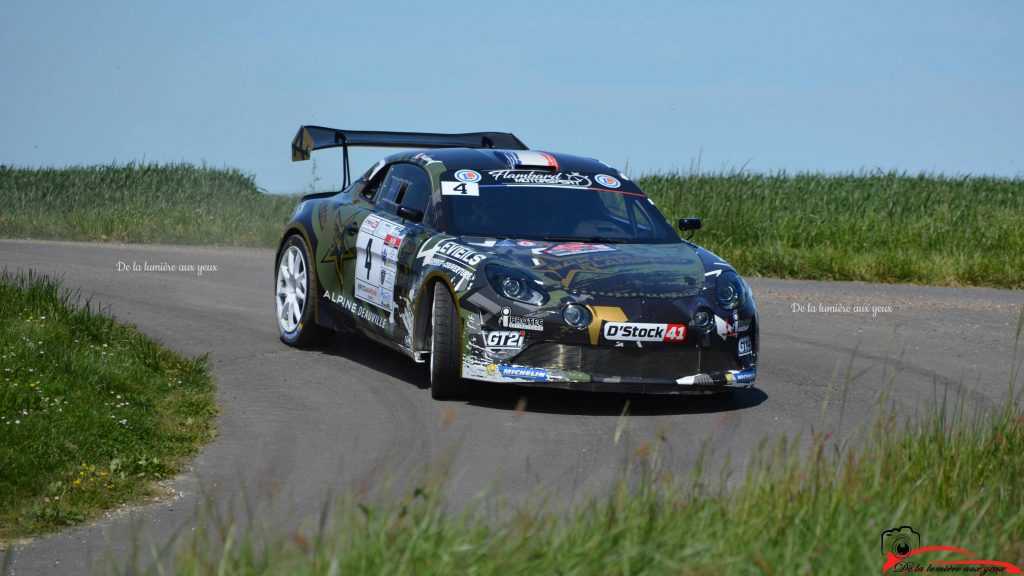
(689, 224)
(409, 214)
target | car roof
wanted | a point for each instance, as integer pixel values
(497, 159)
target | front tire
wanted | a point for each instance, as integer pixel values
(295, 295)
(445, 347)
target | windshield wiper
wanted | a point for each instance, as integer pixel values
(591, 239)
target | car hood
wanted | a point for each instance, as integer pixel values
(610, 270)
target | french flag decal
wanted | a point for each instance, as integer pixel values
(529, 159)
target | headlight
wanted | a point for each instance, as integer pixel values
(729, 290)
(515, 284)
(513, 288)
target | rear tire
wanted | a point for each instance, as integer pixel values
(445, 348)
(295, 296)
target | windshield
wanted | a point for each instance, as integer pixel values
(582, 211)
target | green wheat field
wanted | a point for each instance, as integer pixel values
(875, 227)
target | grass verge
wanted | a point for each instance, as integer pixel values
(954, 476)
(876, 227)
(91, 411)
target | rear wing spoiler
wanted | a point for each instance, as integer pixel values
(310, 138)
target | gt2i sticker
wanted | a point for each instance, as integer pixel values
(508, 320)
(502, 340)
(377, 261)
(744, 347)
(460, 188)
(517, 372)
(634, 332)
(576, 248)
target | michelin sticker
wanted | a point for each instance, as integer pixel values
(746, 377)
(377, 261)
(520, 372)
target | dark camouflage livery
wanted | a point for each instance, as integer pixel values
(382, 296)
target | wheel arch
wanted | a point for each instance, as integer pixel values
(423, 309)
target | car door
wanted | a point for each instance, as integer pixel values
(385, 246)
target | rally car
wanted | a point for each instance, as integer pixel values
(494, 262)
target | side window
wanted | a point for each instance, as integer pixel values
(435, 214)
(405, 185)
(630, 213)
(388, 191)
(644, 225)
(372, 185)
(417, 193)
(615, 204)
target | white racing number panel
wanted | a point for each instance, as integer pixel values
(460, 188)
(377, 261)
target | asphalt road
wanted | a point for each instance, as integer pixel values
(297, 426)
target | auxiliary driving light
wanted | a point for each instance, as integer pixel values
(702, 320)
(576, 316)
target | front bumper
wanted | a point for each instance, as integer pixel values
(631, 387)
(651, 370)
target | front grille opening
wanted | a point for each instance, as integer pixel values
(662, 362)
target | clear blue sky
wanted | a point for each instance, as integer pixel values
(801, 86)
